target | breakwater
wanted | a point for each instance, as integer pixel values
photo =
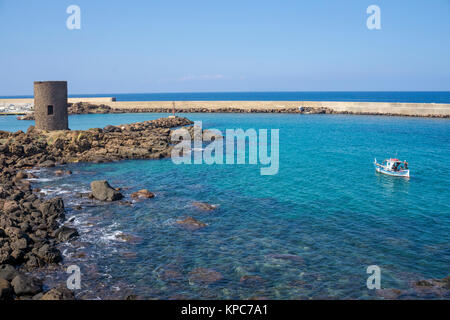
(437, 110)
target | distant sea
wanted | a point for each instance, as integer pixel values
(369, 96)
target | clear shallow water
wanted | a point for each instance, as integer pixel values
(326, 205)
(372, 96)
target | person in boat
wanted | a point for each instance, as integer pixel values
(406, 165)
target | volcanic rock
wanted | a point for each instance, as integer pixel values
(101, 190)
(24, 285)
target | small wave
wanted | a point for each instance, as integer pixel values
(55, 191)
(113, 236)
(40, 179)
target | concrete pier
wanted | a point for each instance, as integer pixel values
(377, 108)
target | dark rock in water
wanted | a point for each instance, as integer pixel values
(128, 238)
(60, 293)
(142, 194)
(64, 233)
(422, 289)
(204, 276)
(24, 285)
(61, 172)
(6, 290)
(433, 287)
(101, 190)
(192, 223)
(204, 206)
(170, 275)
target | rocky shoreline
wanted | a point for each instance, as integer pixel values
(88, 108)
(31, 227)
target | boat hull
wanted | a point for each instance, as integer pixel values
(402, 174)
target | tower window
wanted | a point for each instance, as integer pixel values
(49, 110)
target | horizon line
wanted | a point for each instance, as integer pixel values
(277, 91)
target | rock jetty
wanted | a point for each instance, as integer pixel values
(89, 108)
(143, 140)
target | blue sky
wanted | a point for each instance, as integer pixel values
(185, 46)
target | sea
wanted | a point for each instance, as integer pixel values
(369, 96)
(308, 232)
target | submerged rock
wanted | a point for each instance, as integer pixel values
(251, 280)
(61, 172)
(204, 276)
(192, 223)
(142, 194)
(101, 190)
(388, 294)
(204, 206)
(127, 237)
(170, 275)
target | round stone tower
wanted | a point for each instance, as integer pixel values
(50, 105)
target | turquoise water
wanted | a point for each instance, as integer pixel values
(326, 205)
(372, 96)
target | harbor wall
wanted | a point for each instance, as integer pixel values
(382, 108)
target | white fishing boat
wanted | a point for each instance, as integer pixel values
(393, 167)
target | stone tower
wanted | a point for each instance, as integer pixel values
(50, 105)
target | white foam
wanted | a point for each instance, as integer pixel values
(56, 191)
(40, 179)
